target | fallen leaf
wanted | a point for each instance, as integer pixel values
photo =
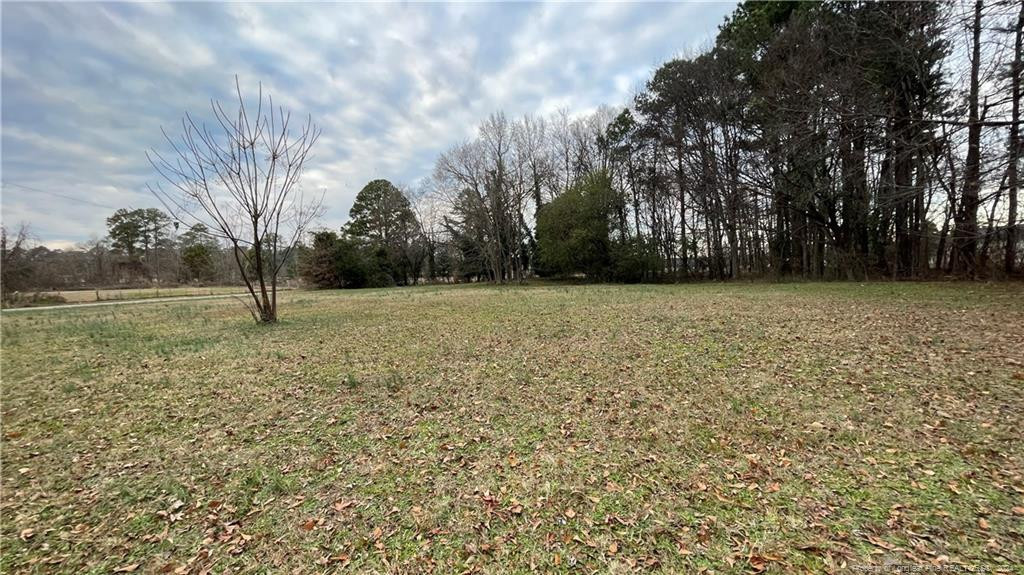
(127, 568)
(881, 542)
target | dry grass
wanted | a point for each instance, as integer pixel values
(734, 429)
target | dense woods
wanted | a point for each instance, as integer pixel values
(812, 140)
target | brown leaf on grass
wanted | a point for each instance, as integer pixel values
(1018, 510)
(341, 505)
(570, 513)
(613, 548)
(881, 542)
(760, 561)
(309, 524)
(983, 523)
(27, 533)
(127, 568)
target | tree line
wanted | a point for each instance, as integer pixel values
(814, 140)
(143, 248)
(829, 140)
(821, 140)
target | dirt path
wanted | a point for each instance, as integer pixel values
(125, 302)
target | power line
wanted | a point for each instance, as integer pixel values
(65, 196)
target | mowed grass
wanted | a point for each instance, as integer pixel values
(796, 428)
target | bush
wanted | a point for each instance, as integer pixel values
(634, 262)
(575, 236)
(340, 262)
(573, 230)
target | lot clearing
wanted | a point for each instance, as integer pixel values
(799, 428)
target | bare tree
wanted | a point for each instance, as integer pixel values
(1016, 71)
(241, 182)
(530, 134)
(966, 233)
(430, 220)
(15, 267)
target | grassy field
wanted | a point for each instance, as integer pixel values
(734, 429)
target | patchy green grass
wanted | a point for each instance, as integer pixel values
(733, 428)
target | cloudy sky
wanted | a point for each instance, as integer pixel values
(87, 87)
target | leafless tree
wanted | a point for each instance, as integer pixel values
(14, 264)
(966, 232)
(240, 179)
(1014, 145)
(429, 211)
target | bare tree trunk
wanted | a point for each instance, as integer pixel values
(966, 232)
(1016, 71)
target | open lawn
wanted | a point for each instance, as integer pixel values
(732, 428)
